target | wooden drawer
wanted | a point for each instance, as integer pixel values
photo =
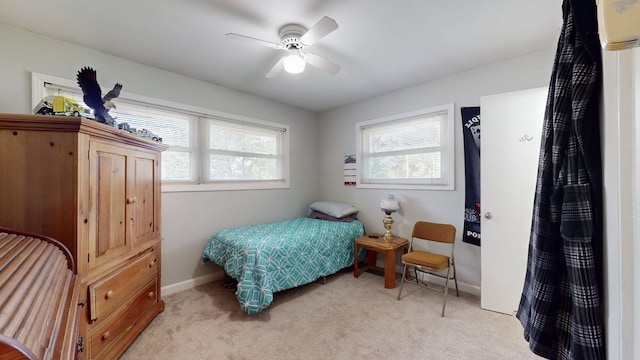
(109, 293)
(106, 335)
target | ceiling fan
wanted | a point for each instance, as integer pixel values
(294, 39)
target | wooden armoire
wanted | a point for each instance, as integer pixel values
(96, 189)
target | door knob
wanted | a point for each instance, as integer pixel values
(488, 215)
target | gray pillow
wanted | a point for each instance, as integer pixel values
(332, 208)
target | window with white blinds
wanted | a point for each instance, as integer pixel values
(206, 151)
(243, 152)
(413, 151)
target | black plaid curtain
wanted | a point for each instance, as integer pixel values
(561, 308)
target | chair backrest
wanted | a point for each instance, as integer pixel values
(444, 233)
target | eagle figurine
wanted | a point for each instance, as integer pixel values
(93, 95)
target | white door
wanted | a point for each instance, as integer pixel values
(511, 126)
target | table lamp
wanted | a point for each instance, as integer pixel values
(389, 205)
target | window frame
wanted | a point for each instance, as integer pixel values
(448, 150)
(39, 81)
(207, 151)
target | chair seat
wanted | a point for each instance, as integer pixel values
(426, 259)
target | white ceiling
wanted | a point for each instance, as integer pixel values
(381, 45)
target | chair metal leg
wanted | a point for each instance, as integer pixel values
(455, 279)
(404, 271)
(446, 284)
(446, 290)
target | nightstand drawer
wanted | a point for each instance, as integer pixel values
(108, 294)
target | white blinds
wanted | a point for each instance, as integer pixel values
(406, 151)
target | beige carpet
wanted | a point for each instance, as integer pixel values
(347, 318)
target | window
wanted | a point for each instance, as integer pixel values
(207, 150)
(242, 152)
(408, 151)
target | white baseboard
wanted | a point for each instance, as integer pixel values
(191, 283)
(470, 289)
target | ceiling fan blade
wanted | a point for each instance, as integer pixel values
(321, 29)
(322, 63)
(276, 69)
(253, 40)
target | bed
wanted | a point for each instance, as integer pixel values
(268, 258)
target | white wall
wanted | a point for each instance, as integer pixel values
(464, 89)
(188, 219)
(634, 298)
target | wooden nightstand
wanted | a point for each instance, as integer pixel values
(376, 245)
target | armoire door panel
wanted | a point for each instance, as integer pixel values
(145, 170)
(109, 194)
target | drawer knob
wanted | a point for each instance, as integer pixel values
(109, 294)
(106, 335)
(151, 294)
(131, 200)
(151, 263)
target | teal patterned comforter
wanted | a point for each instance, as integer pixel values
(268, 258)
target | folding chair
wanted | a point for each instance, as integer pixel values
(425, 261)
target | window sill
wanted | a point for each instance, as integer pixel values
(169, 187)
(450, 187)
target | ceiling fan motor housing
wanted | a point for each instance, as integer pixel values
(290, 35)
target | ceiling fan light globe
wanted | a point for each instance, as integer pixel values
(294, 64)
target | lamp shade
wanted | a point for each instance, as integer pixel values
(389, 203)
(294, 63)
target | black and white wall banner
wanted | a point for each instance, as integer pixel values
(471, 136)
